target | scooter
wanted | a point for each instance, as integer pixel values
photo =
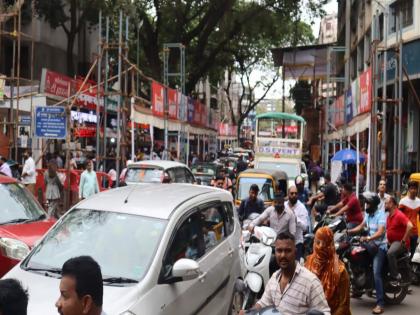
(256, 260)
(415, 266)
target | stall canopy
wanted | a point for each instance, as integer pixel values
(304, 62)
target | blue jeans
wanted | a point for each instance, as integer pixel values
(378, 265)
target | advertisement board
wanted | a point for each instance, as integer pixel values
(365, 91)
(172, 103)
(158, 99)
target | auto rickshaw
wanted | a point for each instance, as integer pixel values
(270, 183)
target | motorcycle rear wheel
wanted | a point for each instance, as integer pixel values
(394, 298)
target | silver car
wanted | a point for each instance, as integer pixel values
(158, 171)
(163, 249)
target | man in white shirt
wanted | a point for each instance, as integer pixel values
(88, 185)
(29, 171)
(383, 196)
(301, 214)
(4, 167)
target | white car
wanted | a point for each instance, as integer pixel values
(163, 249)
(158, 171)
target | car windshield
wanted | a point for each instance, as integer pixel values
(203, 169)
(123, 244)
(144, 175)
(17, 204)
(292, 170)
(265, 185)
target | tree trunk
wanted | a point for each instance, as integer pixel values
(70, 62)
(240, 121)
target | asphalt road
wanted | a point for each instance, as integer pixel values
(410, 305)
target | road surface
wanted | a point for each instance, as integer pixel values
(410, 305)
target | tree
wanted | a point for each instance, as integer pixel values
(213, 31)
(301, 93)
(72, 16)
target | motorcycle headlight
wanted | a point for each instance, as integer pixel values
(13, 248)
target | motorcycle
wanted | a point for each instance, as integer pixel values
(415, 266)
(257, 249)
(336, 224)
(359, 265)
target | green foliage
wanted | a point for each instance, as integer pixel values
(219, 34)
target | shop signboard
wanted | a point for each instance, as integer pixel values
(56, 84)
(365, 91)
(89, 98)
(85, 132)
(50, 122)
(287, 129)
(172, 103)
(158, 95)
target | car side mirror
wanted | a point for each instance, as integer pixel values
(186, 269)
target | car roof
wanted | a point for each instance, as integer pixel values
(147, 199)
(7, 180)
(158, 163)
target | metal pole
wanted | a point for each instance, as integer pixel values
(357, 164)
(395, 130)
(132, 127)
(327, 109)
(98, 94)
(374, 139)
(400, 96)
(119, 99)
(106, 89)
(18, 83)
(384, 94)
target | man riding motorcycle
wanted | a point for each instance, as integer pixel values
(375, 222)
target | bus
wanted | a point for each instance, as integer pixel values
(279, 143)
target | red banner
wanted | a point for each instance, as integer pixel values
(85, 132)
(56, 84)
(197, 112)
(204, 115)
(365, 91)
(172, 103)
(287, 129)
(157, 99)
(339, 111)
(87, 99)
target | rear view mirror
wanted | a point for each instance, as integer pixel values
(187, 269)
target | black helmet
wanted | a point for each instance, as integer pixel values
(372, 200)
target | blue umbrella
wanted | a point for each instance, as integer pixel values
(348, 156)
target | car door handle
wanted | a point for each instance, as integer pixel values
(202, 276)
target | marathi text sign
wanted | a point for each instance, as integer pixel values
(172, 103)
(158, 97)
(50, 122)
(339, 111)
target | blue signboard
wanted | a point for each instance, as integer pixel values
(25, 120)
(50, 122)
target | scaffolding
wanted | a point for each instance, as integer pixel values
(11, 29)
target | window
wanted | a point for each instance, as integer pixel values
(406, 9)
(199, 233)
(328, 26)
(230, 218)
(189, 178)
(179, 175)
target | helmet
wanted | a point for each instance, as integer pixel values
(299, 180)
(372, 200)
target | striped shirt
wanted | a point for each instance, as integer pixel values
(303, 293)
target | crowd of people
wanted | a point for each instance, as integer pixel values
(391, 230)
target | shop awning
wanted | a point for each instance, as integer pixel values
(157, 122)
(357, 124)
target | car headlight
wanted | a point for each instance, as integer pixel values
(13, 248)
